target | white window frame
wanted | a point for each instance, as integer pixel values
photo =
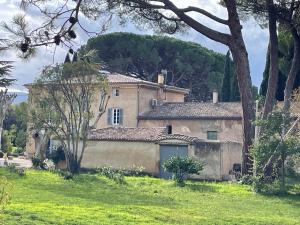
(115, 92)
(115, 116)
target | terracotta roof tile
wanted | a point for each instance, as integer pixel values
(155, 134)
(119, 78)
(127, 134)
(195, 110)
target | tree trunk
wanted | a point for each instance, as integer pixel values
(268, 168)
(293, 72)
(240, 58)
(273, 70)
(1, 129)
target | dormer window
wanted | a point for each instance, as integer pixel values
(116, 92)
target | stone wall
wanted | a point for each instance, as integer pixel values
(122, 155)
(217, 158)
(228, 130)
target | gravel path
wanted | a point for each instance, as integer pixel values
(20, 162)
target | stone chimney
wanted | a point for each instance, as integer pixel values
(215, 96)
(160, 79)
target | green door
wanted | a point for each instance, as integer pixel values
(166, 152)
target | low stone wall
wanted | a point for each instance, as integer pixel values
(122, 155)
(217, 157)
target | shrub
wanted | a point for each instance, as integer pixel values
(135, 171)
(181, 167)
(13, 169)
(1, 154)
(48, 164)
(247, 179)
(115, 175)
(57, 155)
(36, 162)
(66, 174)
(17, 150)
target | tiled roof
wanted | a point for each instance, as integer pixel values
(155, 134)
(127, 134)
(195, 110)
(119, 78)
(116, 78)
(179, 137)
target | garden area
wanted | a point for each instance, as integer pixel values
(43, 197)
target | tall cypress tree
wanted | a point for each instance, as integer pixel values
(67, 59)
(75, 57)
(225, 91)
(234, 92)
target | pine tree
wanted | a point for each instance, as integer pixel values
(225, 91)
(67, 59)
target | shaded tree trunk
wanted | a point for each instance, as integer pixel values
(240, 56)
(273, 60)
(268, 168)
(293, 71)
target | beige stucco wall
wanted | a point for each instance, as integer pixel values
(144, 98)
(127, 100)
(125, 155)
(148, 93)
(228, 130)
(174, 97)
(217, 158)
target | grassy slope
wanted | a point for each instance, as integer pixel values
(45, 198)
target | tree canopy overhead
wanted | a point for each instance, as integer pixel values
(189, 65)
(163, 15)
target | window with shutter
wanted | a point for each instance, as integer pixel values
(115, 116)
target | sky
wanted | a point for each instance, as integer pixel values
(255, 37)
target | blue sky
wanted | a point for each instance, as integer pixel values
(255, 37)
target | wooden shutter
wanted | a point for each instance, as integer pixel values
(109, 115)
(121, 116)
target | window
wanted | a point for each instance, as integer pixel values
(212, 135)
(116, 92)
(115, 116)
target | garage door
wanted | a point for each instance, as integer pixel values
(166, 152)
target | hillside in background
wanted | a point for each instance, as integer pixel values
(189, 65)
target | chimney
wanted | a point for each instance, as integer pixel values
(160, 79)
(215, 97)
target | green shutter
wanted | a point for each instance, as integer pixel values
(109, 115)
(121, 116)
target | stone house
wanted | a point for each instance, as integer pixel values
(146, 123)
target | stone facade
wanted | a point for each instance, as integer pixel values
(150, 115)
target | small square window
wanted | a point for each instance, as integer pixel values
(212, 135)
(116, 92)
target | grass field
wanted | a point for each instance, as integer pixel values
(46, 198)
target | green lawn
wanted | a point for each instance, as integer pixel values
(45, 198)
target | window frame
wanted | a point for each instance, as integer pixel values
(116, 116)
(212, 132)
(115, 92)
